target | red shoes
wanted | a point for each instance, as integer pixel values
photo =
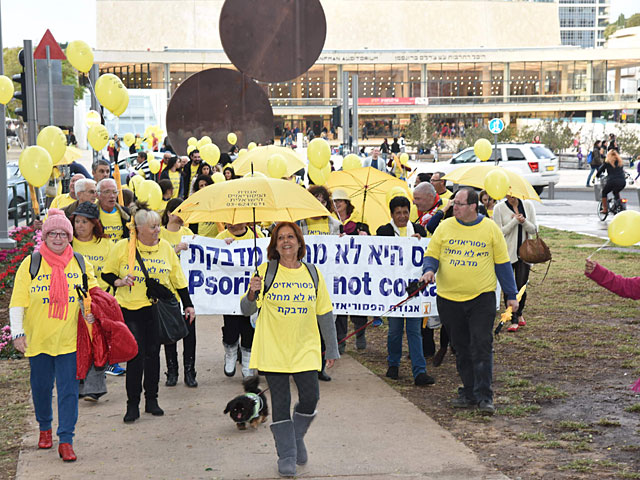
(521, 322)
(513, 327)
(45, 439)
(65, 450)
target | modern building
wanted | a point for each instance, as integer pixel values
(455, 60)
(582, 22)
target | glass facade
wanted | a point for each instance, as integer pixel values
(582, 22)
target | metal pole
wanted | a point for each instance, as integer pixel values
(93, 78)
(495, 147)
(49, 84)
(5, 241)
(345, 112)
(30, 94)
(354, 96)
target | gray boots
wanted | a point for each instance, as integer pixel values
(230, 359)
(246, 358)
(301, 422)
(284, 435)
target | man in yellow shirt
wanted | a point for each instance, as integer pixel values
(113, 217)
(66, 199)
(469, 253)
(440, 185)
(85, 192)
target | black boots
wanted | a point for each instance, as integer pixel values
(133, 412)
(152, 407)
(172, 373)
(190, 373)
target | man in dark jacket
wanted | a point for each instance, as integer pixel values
(189, 171)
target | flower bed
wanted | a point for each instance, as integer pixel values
(27, 240)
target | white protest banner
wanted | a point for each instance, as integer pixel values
(364, 275)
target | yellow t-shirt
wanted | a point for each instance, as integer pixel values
(446, 195)
(62, 201)
(161, 263)
(175, 181)
(403, 231)
(112, 224)
(248, 235)
(194, 171)
(208, 229)
(467, 256)
(48, 335)
(174, 238)
(95, 252)
(413, 213)
(319, 226)
(287, 338)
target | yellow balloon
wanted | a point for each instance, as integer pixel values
(154, 165)
(35, 165)
(192, 141)
(204, 141)
(191, 148)
(319, 152)
(396, 191)
(80, 55)
(53, 141)
(232, 138)
(218, 177)
(482, 149)
(124, 104)
(404, 158)
(129, 139)
(150, 192)
(256, 174)
(251, 146)
(210, 153)
(242, 151)
(92, 118)
(276, 166)
(319, 176)
(135, 181)
(624, 229)
(110, 91)
(98, 137)
(496, 183)
(351, 161)
(112, 143)
(6, 89)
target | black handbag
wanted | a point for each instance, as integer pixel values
(171, 326)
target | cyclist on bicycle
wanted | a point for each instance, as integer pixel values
(615, 178)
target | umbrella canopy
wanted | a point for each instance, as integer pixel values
(259, 156)
(474, 175)
(368, 187)
(234, 201)
(70, 156)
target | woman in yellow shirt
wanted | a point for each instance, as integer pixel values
(287, 339)
(90, 240)
(161, 263)
(44, 312)
(172, 231)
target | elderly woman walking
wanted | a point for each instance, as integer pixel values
(136, 306)
(44, 313)
(287, 339)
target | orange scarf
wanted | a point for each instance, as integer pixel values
(59, 286)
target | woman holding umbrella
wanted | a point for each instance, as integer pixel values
(288, 344)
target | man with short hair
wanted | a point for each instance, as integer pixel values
(375, 160)
(440, 185)
(65, 199)
(423, 177)
(428, 202)
(116, 149)
(142, 164)
(85, 192)
(101, 169)
(469, 253)
(190, 170)
(113, 217)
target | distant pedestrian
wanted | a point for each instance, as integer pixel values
(596, 160)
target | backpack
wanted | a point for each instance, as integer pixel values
(36, 260)
(589, 158)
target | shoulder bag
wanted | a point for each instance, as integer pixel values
(534, 250)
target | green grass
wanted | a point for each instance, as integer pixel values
(635, 408)
(569, 425)
(532, 437)
(607, 422)
(548, 392)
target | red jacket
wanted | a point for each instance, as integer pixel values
(625, 287)
(112, 340)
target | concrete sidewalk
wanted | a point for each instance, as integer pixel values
(364, 429)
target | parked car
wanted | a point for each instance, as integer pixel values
(18, 191)
(127, 163)
(534, 161)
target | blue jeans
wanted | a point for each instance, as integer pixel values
(61, 368)
(593, 170)
(414, 339)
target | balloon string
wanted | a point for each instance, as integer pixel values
(606, 243)
(92, 90)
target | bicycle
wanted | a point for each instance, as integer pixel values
(615, 204)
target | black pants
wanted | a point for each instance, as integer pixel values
(428, 344)
(470, 326)
(237, 327)
(147, 362)
(615, 185)
(342, 326)
(188, 347)
(521, 271)
(308, 393)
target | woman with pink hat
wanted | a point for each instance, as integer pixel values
(44, 309)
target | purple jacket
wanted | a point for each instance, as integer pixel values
(625, 287)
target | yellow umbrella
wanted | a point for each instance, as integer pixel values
(70, 155)
(250, 199)
(367, 187)
(474, 175)
(259, 156)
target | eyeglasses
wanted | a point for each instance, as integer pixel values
(93, 192)
(57, 235)
(460, 204)
(109, 192)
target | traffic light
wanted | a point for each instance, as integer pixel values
(336, 117)
(21, 95)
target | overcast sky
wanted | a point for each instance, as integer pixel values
(75, 19)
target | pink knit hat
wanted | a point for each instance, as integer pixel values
(57, 220)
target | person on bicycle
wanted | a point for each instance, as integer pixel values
(615, 178)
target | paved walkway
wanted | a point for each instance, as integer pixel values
(364, 429)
